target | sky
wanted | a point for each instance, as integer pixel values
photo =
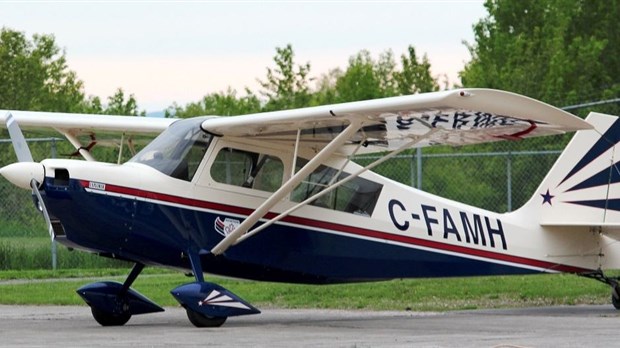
(178, 51)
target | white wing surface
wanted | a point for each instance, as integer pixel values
(71, 126)
(86, 123)
(457, 117)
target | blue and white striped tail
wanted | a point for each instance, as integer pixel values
(583, 187)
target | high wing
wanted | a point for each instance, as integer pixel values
(81, 123)
(73, 125)
(457, 117)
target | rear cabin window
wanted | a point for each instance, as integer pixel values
(247, 169)
(357, 196)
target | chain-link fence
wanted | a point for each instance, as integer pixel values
(24, 240)
(499, 177)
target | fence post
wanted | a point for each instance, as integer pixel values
(412, 171)
(53, 147)
(419, 167)
(509, 181)
(54, 253)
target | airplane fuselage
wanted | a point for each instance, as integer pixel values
(136, 213)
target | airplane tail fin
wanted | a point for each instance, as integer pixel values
(583, 187)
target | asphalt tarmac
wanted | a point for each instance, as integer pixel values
(571, 326)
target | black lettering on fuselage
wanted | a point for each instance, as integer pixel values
(429, 220)
(448, 226)
(499, 231)
(475, 234)
(401, 226)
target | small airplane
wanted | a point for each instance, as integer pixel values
(276, 197)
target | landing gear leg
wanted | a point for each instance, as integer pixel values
(613, 282)
(195, 317)
(208, 304)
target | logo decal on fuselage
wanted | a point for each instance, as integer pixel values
(226, 226)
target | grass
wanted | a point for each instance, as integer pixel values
(28, 253)
(47, 287)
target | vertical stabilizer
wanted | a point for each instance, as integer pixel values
(583, 187)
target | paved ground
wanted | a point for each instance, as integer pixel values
(577, 326)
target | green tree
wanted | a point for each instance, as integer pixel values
(325, 90)
(415, 77)
(560, 51)
(285, 86)
(361, 80)
(220, 104)
(385, 71)
(117, 105)
(34, 74)
(366, 78)
(288, 86)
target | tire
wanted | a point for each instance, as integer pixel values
(110, 319)
(615, 301)
(201, 320)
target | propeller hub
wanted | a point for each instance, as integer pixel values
(21, 173)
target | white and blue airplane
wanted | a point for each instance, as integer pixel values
(276, 197)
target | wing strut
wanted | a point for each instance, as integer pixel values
(287, 187)
(76, 143)
(333, 186)
(120, 150)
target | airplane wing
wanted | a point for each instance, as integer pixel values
(73, 125)
(457, 117)
(83, 123)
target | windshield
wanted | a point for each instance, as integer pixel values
(178, 150)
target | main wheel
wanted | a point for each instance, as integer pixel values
(110, 319)
(201, 320)
(615, 296)
(615, 301)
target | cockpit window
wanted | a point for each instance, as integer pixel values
(177, 151)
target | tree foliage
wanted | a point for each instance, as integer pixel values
(286, 87)
(361, 80)
(563, 52)
(221, 104)
(366, 78)
(117, 105)
(34, 74)
(415, 76)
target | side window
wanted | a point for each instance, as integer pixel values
(358, 196)
(247, 169)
